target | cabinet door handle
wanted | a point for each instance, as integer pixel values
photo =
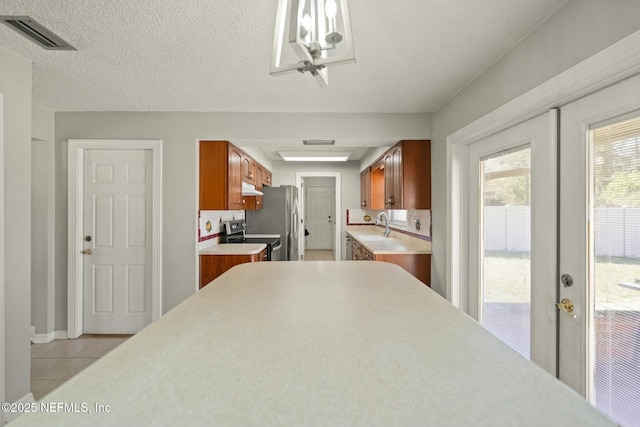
(364, 203)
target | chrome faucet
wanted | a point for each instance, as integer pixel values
(386, 223)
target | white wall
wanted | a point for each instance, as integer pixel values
(179, 133)
(42, 221)
(15, 85)
(374, 154)
(577, 31)
(284, 173)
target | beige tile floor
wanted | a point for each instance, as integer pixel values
(54, 363)
(319, 255)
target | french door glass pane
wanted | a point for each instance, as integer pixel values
(506, 247)
(615, 270)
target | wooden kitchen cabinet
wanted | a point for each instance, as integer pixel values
(376, 185)
(267, 177)
(263, 179)
(255, 202)
(393, 178)
(407, 175)
(419, 265)
(249, 170)
(356, 250)
(220, 176)
(365, 188)
(212, 266)
(223, 168)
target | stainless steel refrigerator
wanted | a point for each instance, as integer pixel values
(280, 214)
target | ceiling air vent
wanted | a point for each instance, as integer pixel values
(36, 32)
(319, 141)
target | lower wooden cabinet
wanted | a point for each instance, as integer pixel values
(419, 265)
(212, 266)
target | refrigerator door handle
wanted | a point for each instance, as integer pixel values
(295, 218)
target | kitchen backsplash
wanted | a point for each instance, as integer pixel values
(368, 217)
(210, 225)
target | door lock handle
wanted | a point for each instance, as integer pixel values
(567, 306)
(87, 252)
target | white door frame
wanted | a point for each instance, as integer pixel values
(338, 197)
(2, 271)
(75, 224)
(609, 66)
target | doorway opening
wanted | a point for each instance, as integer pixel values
(320, 205)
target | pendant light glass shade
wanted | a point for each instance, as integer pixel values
(311, 35)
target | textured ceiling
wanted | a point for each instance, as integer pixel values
(214, 55)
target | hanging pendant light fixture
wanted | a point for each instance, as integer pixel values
(310, 35)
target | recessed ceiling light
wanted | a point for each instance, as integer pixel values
(308, 156)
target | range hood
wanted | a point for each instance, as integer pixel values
(250, 190)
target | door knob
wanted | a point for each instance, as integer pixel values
(567, 306)
(86, 252)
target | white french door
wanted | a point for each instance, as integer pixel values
(599, 348)
(512, 270)
(570, 299)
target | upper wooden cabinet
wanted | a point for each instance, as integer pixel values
(403, 176)
(365, 188)
(249, 170)
(223, 168)
(267, 177)
(393, 178)
(376, 185)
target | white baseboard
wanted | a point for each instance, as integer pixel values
(47, 338)
(42, 338)
(60, 335)
(28, 398)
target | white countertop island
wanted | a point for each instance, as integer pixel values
(316, 344)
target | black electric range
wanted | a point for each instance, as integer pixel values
(235, 232)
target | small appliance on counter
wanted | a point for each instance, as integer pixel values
(279, 214)
(235, 232)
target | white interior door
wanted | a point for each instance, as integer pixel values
(117, 243)
(599, 350)
(319, 217)
(512, 237)
(2, 254)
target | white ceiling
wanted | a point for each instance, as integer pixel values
(214, 55)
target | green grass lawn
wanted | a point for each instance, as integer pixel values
(508, 279)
